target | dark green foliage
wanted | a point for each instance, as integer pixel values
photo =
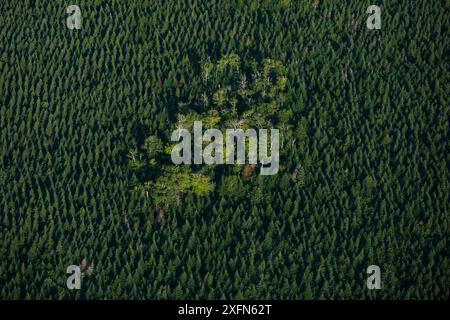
(369, 111)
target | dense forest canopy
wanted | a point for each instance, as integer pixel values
(363, 179)
(231, 99)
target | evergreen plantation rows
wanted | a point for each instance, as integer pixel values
(367, 181)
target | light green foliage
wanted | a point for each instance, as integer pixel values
(243, 95)
(153, 147)
(261, 110)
